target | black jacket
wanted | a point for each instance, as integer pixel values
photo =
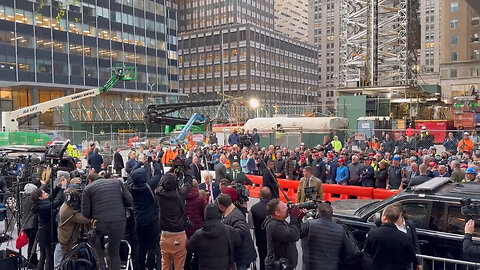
(412, 233)
(172, 216)
(319, 169)
(42, 209)
(245, 253)
(281, 239)
(95, 160)
(214, 245)
(259, 214)
(471, 252)
(390, 248)
(118, 161)
(29, 219)
(279, 166)
(368, 177)
(381, 179)
(195, 172)
(418, 180)
(145, 206)
(270, 182)
(323, 244)
(105, 200)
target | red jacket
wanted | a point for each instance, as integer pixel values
(194, 208)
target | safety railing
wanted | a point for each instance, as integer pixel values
(437, 263)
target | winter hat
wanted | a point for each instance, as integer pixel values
(212, 212)
(29, 188)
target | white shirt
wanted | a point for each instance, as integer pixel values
(403, 227)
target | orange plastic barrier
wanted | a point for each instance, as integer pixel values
(382, 194)
(331, 192)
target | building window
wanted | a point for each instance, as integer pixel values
(453, 24)
(475, 38)
(453, 56)
(453, 73)
(454, 40)
(475, 21)
(454, 7)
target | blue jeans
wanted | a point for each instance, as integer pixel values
(57, 256)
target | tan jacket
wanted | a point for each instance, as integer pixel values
(65, 231)
(301, 189)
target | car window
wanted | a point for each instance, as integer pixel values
(456, 222)
(437, 217)
(417, 212)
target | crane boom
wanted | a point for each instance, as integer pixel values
(195, 118)
(10, 119)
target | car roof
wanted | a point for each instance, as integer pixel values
(441, 186)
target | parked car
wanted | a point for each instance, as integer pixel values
(434, 207)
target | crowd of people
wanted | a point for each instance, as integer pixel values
(173, 217)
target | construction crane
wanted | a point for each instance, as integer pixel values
(11, 120)
(181, 136)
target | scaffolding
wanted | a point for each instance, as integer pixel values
(378, 42)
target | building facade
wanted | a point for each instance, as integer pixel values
(249, 61)
(429, 54)
(52, 51)
(230, 47)
(295, 19)
(327, 39)
(460, 45)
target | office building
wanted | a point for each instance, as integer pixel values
(429, 53)
(460, 46)
(295, 19)
(44, 55)
(327, 39)
(231, 47)
(253, 62)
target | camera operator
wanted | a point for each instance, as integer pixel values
(29, 221)
(42, 207)
(105, 200)
(470, 251)
(171, 196)
(282, 236)
(71, 220)
(145, 209)
(325, 244)
(307, 181)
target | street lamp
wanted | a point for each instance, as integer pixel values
(254, 104)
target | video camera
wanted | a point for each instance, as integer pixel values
(179, 168)
(470, 209)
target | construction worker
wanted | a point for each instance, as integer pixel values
(169, 156)
(410, 133)
(466, 144)
(336, 144)
(470, 175)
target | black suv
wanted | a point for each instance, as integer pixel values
(433, 206)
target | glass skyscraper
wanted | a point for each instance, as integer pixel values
(51, 51)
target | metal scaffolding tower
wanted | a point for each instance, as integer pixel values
(378, 42)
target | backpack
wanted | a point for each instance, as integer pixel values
(80, 257)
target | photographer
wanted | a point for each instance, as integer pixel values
(29, 221)
(471, 252)
(105, 201)
(42, 207)
(145, 209)
(71, 220)
(281, 236)
(173, 221)
(325, 244)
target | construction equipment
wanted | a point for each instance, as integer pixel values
(181, 136)
(11, 122)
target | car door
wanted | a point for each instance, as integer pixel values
(449, 238)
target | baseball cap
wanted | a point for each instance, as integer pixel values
(371, 154)
(316, 155)
(341, 160)
(423, 128)
(396, 158)
(471, 170)
(366, 158)
(330, 155)
(432, 164)
(463, 165)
